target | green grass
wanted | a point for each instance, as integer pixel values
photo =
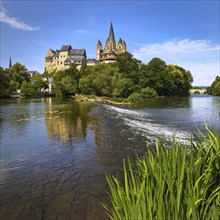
(170, 183)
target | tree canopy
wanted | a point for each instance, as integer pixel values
(214, 89)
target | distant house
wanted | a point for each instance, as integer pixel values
(61, 59)
(33, 73)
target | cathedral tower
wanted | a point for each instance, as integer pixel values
(108, 54)
(98, 49)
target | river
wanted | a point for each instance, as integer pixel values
(55, 154)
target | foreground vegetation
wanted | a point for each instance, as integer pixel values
(182, 182)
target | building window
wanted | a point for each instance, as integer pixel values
(60, 62)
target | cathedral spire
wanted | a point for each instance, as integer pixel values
(10, 63)
(111, 34)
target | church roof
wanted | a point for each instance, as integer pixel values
(65, 48)
(80, 52)
(111, 34)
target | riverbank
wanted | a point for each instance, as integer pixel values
(100, 100)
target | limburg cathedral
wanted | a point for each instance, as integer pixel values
(61, 59)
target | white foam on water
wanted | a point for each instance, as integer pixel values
(143, 123)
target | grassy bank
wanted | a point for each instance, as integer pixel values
(177, 183)
(97, 99)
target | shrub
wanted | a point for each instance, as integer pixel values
(181, 182)
(135, 98)
(148, 92)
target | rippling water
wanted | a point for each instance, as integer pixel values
(55, 154)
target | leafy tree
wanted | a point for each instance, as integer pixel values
(27, 89)
(86, 86)
(155, 75)
(40, 82)
(129, 66)
(19, 73)
(122, 86)
(98, 79)
(13, 86)
(182, 80)
(214, 89)
(4, 83)
(66, 82)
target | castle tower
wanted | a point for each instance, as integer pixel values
(98, 49)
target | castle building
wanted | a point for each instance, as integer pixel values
(108, 54)
(61, 59)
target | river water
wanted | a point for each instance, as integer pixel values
(55, 154)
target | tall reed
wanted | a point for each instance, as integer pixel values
(170, 183)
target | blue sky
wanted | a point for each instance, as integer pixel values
(185, 33)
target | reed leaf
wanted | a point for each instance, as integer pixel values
(177, 182)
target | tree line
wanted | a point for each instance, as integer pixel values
(126, 78)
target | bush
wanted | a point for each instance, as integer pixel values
(148, 93)
(178, 183)
(135, 98)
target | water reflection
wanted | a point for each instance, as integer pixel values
(67, 121)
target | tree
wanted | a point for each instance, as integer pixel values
(27, 89)
(19, 73)
(4, 83)
(129, 66)
(214, 89)
(155, 75)
(66, 81)
(182, 80)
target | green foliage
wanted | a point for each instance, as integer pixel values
(4, 83)
(121, 79)
(19, 73)
(148, 92)
(13, 86)
(135, 98)
(181, 182)
(28, 90)
(214, 89)
(66, 81)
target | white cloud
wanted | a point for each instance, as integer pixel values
(200, 57)
(82, 31)
(15, 23)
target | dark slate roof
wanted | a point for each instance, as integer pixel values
(65, 48)
(81, 52)
(74, 59)
(52, 51)
(57, 53)
(92, 60)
